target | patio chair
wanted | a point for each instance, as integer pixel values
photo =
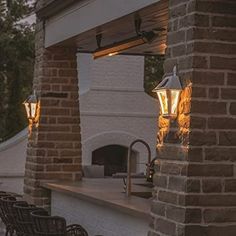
(75, 230)
(10, 215)
(24, 218)
(3, 193)
(54, 226)
(2, 212)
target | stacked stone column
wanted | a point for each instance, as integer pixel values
(54, 147)
(195, 191)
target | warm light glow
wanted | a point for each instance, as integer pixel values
(174, 101)
(33, 109)
(164, 125)
(118, 47)
(183, 115)
(168, 92)
(27, 108)
(112, 54)
(162, 48)
(31, 106)
(169, 102)
(162, 95)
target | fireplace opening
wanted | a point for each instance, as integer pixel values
(114, 159)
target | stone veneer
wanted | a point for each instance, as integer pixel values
(196, 179)
(54, 146)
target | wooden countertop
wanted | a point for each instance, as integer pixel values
(107, 192)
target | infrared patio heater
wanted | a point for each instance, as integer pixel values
(141, 37)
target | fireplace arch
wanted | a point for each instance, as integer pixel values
(106, 139)
(113, 158)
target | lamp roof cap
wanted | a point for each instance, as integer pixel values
(169, 82)
(32, 98)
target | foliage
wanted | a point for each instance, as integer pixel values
(153, 73)
(16, 65)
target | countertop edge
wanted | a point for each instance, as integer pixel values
(58, 187)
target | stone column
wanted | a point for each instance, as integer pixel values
(54, 146)
(195, 191)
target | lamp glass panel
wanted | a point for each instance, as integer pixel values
(174, 101)
(163, 99)
(33, 110)
(27, 108)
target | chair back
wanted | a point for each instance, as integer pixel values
(24, 218)
(2, 211)
(6, 203)
(48, 225)
(76, 230)
(10, 212)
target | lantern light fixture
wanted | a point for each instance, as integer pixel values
(31, 106)
(168, 93)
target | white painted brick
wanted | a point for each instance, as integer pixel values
(114, 107)
(97, 219)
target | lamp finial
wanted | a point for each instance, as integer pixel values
(174, 70)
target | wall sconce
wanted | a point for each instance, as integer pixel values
(31, 106)
(168, 92)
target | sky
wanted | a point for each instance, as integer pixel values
(32, 18)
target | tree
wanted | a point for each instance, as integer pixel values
(16, 64)
(153, 73)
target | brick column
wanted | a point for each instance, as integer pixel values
(54, 147)
(196, 174)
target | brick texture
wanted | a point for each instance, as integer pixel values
(196, 178)
(54, 147)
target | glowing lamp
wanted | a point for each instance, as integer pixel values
(168, 93)
(31, 106)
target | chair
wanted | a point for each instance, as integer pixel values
(54, 226)
(45, 225)
(10, 215)
(24, 218)
(2, 212)
(75, 230)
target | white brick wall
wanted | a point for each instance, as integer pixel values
(114, 107)
(12, 184)
(12, 163)
(97, 219)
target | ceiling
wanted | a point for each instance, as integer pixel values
(154, 17)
